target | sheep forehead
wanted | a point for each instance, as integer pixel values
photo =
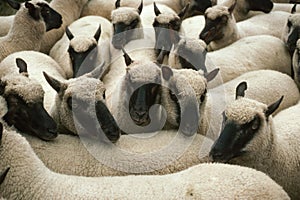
(216, 11)
(30, 90)
(243, 110)
(144, 72)
(85, 88)
(124, 14)
(82, 43)
(165, 18)
(39, 1)
(195, 79)
(194, 45)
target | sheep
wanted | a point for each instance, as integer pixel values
(32, 21)
(80, 106)
(221, 28)
(212, 102)
(79, 44)
(251, 137)
(250, 53)
(195, 182)
(5, 23)
(104, 8)
(22, 104)
(126, 24)
(296, 63)
(192, 26)
(286, 7)
(131, 154)
(245, 9)
(290, 33)
(70, 11)
(35, 63)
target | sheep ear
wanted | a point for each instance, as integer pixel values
(1, 132)
(240, 90)
(167, 72)
(118, 3)
(33, 11)
(231, 8)
(183, 11)
(156, 10)
(97, 72)
(211, 75)
(294, 9)
(140, 8)
(271, 108)
(3, 175)
(15, 5)
(128, 60)
(98, 33)
(69, 33)
(161, 56)
(55, 84)
(22, 65)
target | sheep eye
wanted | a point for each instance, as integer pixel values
(173, 96)
(289, 23)
(104, 95)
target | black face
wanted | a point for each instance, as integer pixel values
(30, 118)
(141, 101)
(122, 34)
(233, 139)
(261, 5)
(166, 35)
(52, 18)
(198, 7)
(105, 123)
(192, 60)
(213, 29)
(293, 35)
(83, 62)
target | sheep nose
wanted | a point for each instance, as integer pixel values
(140, 114)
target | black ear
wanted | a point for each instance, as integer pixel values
(294, 8)
(128, 60)
(211, 75)
(2, 87)
(55, 84)
(231, 8)
(118, 3)
(161, 56)
(140, 8)
(167, 72)
(3, 175)
(98, 33)
(22, 65)
(33, 11)
(183, 11)
(273, 107)
(240, 90)
(14, 4)
(69, 33)
(156, 10)
(1, 132)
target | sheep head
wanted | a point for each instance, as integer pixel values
(126, 22)
(40, 10)
(83, 52)
(291, 32)
(189, 54)
(217, 23)
(25, 110)
(182, 98)
(82, 106)
(246, 125)
(166, 26)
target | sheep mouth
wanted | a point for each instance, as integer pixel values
(208, 36)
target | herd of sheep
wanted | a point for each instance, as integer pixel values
(164, 99)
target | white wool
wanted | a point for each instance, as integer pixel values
(70, 11)
(165, 18)
(216, 11)
(195, 182)
(192, 26)
(124, 14)
(82, 44)
(5, 23)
